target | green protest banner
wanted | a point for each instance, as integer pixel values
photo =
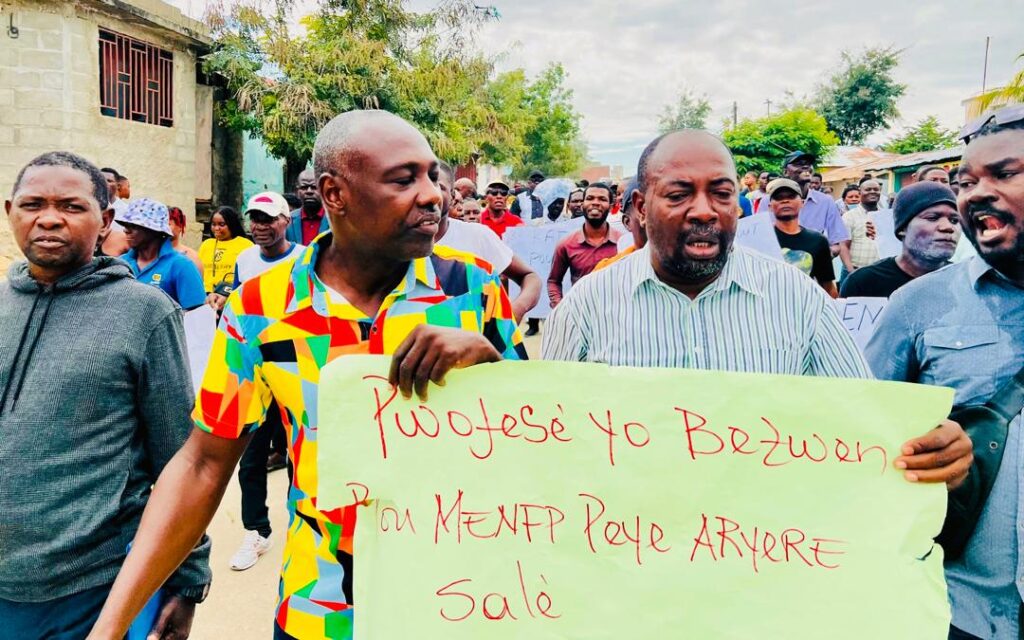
(599, 502)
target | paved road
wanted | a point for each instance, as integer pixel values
(241, 603)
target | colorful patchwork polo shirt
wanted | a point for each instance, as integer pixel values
(277, 331)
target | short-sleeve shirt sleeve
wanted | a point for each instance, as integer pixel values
(494, 250)
(834, 227)
(234, 397)
(499, 324)
(823, 270)
(189, 284)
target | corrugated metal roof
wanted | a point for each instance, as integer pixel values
(894, 162)
(846, 156)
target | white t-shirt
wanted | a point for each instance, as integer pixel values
(251, 263)
(120, 207)
(478, 240)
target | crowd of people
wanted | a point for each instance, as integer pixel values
(383, 251)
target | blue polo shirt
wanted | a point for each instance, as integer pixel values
(746, 207)
(172, 272)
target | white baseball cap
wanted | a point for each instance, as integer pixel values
(268, 202)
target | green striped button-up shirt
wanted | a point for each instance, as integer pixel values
(759, 316)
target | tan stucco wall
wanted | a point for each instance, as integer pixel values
(49, 99)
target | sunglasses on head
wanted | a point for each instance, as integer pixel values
(497, 192)
(1008, 115)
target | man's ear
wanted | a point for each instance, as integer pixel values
(333, 192)
(640, 208)
(108, 218)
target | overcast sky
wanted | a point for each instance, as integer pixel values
(627, 60)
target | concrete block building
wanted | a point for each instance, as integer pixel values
(117, 81)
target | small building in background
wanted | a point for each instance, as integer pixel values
(602, 173)
(118, 82)
(894, 172)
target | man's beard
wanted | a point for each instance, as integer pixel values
(694, 271)
(931, 254)
(1003, 260)
(597, 223)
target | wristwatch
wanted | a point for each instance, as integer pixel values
(194, 595)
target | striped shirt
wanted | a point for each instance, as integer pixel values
(759, 316)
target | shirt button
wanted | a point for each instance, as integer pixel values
(959, 344)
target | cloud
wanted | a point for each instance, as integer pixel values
(627, 60)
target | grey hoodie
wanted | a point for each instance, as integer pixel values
(95, 398)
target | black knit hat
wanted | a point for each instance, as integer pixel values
(918, 197)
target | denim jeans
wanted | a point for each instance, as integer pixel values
(67, 618)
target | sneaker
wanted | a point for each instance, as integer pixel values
(253, 546)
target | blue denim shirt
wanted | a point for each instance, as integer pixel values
(963, 327)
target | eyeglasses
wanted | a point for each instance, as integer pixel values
(497, 192)
(1008, 115)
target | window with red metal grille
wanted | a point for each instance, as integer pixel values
(136, 80)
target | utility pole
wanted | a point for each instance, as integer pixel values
(735, 118)
(769, 103)
(984, 73)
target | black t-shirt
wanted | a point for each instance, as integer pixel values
(808, 251)
(876, 280)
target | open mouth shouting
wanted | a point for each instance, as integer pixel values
(991, 226)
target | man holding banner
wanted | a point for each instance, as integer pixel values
(963, 327)
(371, 285)
(691, 299)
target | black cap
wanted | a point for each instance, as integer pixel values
(537, 176)
(796, 155)
(918, 197)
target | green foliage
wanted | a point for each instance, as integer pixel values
(689, 112)
(761, 144)
(861, 98)
(1012, 93)
(376, 54)
(926, 135)
(551, 140)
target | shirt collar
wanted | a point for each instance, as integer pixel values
(977, 269)
(167, 248)
(319, 215)
(306, 290)
(814, 196)
(580, 237)
(739, 270)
